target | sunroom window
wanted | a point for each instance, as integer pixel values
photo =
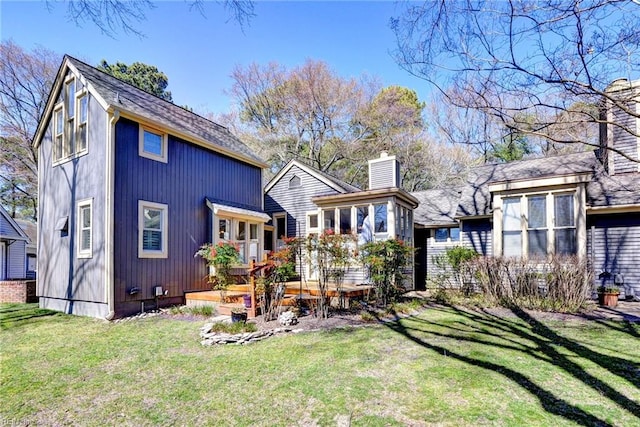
(537, 226)
(565, 225)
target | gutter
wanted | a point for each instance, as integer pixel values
(113, 117)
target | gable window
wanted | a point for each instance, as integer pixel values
(84, 229)
(446, 234)
(295, 182)
(83, 113)
(70, 123)
(152, 144)
(58, 133)
(153, 220)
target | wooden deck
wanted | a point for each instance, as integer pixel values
(293, 292)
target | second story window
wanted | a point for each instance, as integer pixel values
(152, 144)
(70, 123)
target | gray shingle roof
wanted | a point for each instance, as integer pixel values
(437, 206)
(123, 95)
(442, 206)
(475, 199)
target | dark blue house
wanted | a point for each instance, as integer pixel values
(130, 186)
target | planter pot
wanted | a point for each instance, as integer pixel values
(238, 317)
(247, 301)
(608, 299)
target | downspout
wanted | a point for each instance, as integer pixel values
(109, 212)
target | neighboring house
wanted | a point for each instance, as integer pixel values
(303, 200)
(31, 230)
(584, 204)
(13, 247)
(130, 186)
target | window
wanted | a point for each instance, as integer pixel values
(380, 218)
(345, 221)
(313, 220)
(547, 220)
(153, 220)
(69, 145)
(511, 227)
(58, 133)
(84, 229)
(329, 217)
(537, 226)
(224, 228)
(152, 144)
(565, 225)
(362, 212)
(70, 123)
(446, 234)
(83, 112)
(295, 182)
(280, 221)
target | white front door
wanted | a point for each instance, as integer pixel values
(3, 257)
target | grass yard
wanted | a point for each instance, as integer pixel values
(443, 367)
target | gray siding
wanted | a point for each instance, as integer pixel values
(295, 201)
(6, 229)
(478, 235)
(624, 141)
(62, 277)
(191, 175)
(16, 260)
(613, 245)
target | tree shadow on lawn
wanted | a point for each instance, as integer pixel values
(540, 342)
(13, 315)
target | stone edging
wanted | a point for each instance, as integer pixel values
(213, 338)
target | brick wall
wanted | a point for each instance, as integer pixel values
(18, 291)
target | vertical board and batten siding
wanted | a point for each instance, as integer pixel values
(66, 282)
(191, 175)
(624, 141)
(613, 245)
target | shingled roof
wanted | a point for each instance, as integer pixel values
(129, 99)
(443, 206)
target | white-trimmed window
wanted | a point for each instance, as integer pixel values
(152, 144)
(295, 182)
(536, 225)
(84, 228)
(380, 217)
(243, 233)
(153, 229)
(446, 234)
(69, 146)
(312, 221)
(83, 117)
(58, 132)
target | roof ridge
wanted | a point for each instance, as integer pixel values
(224, 128)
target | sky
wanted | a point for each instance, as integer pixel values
(198, 51)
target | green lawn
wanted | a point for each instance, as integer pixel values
(444, 367)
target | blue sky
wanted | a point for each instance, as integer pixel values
(199, 52)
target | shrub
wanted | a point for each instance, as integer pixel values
(454, 270)
(385, 261)
(560, 284)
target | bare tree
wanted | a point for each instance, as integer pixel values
(25, 81)
(548, 60)
(112, 16)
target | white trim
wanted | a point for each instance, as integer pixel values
(164, 141)
(231, 211)
(164, 230)
(86, 253)
(533, 184)
(449, 241)
(276, 237)
(79, 95)
(109, 210)
(306, 169)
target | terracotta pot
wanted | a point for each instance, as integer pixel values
(608, 299)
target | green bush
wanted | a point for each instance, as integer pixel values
(385, 261)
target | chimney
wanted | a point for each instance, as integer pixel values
(613, 133)
(384, 172)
